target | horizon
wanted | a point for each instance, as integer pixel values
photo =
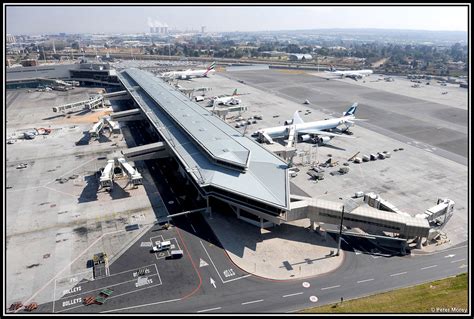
(222, 19)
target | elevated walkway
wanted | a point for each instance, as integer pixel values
(366, 218)
(129, 115)
(146, 152)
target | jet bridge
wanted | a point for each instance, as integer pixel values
(120, 95)
(112, 125)
(97, 128)
(134, 176)
(128, 115)
(146, 152)
(91, 103)
(107, 177)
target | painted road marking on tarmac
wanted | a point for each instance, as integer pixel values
(212, 262)
(209, 309)
(365, 280)
(144, 305)
(456, 261)
(306, 284)
(313, 298)
(249, 302)
(331, 287)
(202, 263)
(398, 274)
(429, 267)
(295, 294)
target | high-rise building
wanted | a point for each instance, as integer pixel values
(10, 38)
(203, 29)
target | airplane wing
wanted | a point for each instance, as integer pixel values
(267, 138)
(297, 119)
(318, 132)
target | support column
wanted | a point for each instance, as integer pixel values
(208, 208)
(418, 242)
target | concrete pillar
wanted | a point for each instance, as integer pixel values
(261, 222)
(208, 207)
(418, 242)
(311, 225)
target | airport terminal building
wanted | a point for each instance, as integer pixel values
(222, 164)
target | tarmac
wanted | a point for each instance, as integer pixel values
(56, 218)
(412, 179)
(287, 251)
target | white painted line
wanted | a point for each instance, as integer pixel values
(67, 266)
(331, 287)
(212, 262)
(306, 284)
(126, 293)
(429, 267)
(295, 294)
(456, 261)
(398, 274)
(241, 277)
(209, 309)
(98, 289)
(194, 230)
(365, 280)
(144, 305)
(249, 302)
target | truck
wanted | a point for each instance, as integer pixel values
(161, 245)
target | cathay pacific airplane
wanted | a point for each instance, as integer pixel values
(316, 131)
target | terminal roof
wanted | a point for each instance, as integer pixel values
(214, 153)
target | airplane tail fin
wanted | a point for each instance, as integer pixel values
(210, 67)
(235, 92)
(351, 110)
(297, 119)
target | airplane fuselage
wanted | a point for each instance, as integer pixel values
(283, 131)
(189, 73)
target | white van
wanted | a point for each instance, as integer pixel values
(162, 245)
(176, 254)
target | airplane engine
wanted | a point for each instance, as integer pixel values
(183, 77)
(304, 138)
(323, 139)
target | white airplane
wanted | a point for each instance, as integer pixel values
(312, 131)
(225, 99)
(353, 74)
(188, 74)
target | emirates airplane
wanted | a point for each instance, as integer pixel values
(188, 74)
(353, 74)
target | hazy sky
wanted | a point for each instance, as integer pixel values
(71, 19)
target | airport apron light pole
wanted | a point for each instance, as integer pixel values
(340, 232)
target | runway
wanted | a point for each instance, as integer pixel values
(440, 128)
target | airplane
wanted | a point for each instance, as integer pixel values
(225, 99)
(311, 131)
(188, 74)
(353, 74)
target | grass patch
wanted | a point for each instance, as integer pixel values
(442, 296)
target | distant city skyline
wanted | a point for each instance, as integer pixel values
(138, 19)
